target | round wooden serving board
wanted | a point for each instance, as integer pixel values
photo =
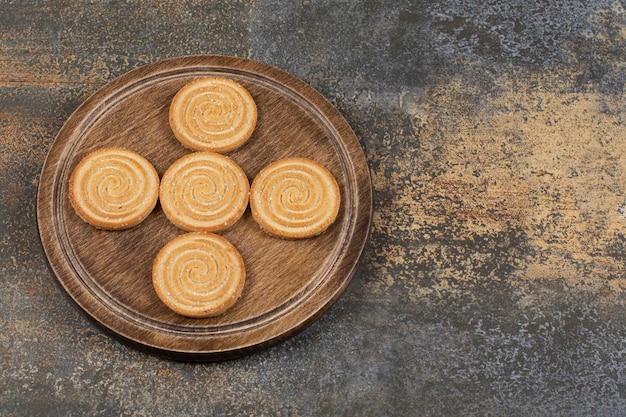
(289, 283)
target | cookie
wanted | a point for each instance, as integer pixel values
(213, 114)
(198, 274)
(294, 198)
(113, 188)
(204, 192)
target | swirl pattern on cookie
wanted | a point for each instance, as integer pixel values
(213, 114)
(113, 188)
(204, 192)
(198, 274)
(294, 198)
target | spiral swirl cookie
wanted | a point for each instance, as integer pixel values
(114, 188)
(198, 274)
(294, 198)
(204, 192)
(213, 114)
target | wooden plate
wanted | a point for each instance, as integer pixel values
(289, 283)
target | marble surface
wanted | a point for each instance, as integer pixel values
(494, 281)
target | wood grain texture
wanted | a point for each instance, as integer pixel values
(289, 284)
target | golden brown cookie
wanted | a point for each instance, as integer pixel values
(213, 114)
(204, 192)
(113, 188)
(198, 274)
(294, 198)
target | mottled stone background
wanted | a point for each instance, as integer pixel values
(494, 283)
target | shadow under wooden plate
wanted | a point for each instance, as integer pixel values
(289, 283)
